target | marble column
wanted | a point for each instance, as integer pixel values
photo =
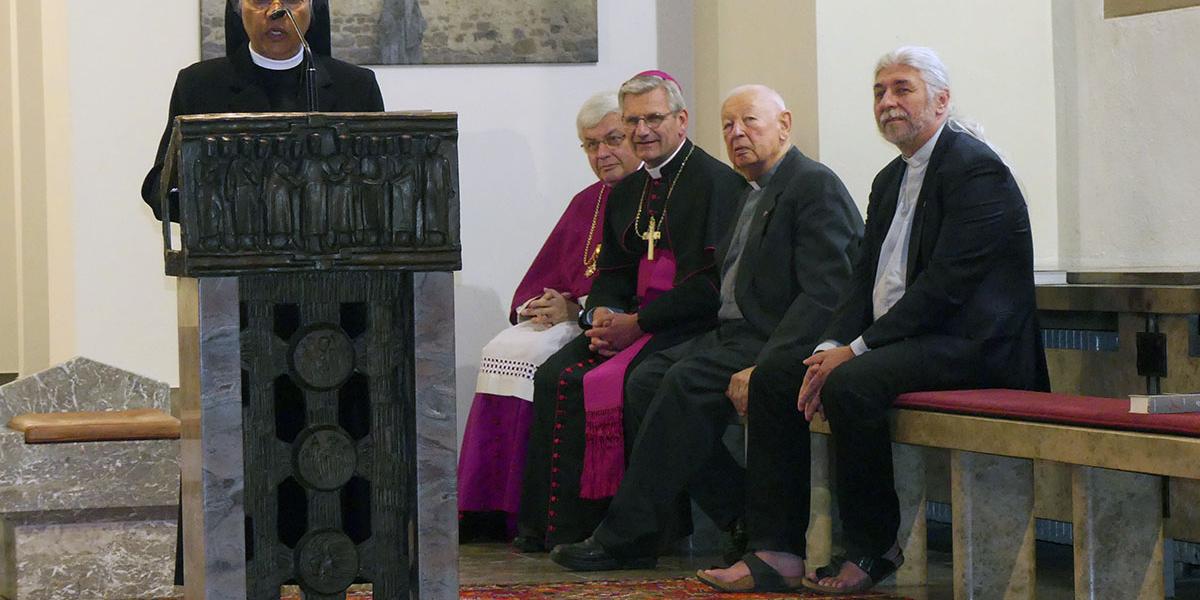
(909, 464)
(993, 526)
(820, 513)
(210, 384)
(437, 437)
(1118, 530)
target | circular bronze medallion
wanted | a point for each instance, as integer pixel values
(326, 561)
(322, 357)
(323, 457)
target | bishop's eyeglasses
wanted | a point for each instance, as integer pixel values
(612, 140)
(653, 120)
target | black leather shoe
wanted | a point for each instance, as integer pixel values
(738, 540)
(528, 544)
(589, 555)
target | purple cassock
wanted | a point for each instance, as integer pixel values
(492, 459)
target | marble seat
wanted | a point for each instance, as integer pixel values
(1116, 476)
(86, 520)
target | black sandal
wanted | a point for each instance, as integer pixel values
(830, 570)
(762, 578)
(877, 569)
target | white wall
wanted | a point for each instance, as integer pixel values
(121, 73)
(1129, 137)
(1001, 67)
(9, 357)
(519, 160)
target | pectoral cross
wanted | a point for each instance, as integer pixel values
(652, 235)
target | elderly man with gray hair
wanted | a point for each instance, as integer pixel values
(544, 313)
(656, 286)
(942, 297)
(783, 265)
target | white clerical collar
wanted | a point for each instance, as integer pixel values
(920, 157)
(277, 65)
(656, 172)
(765, 179)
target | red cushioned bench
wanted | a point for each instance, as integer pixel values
(1117, 462)
(1064, 409)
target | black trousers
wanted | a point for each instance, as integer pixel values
(677, 398)
(778, 456)
(856, 398)
(551, 508)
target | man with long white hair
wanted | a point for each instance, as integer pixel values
(942, 297)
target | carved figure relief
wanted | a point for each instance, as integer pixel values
(282, 187)
(314, 202)
(210, 196)
(439, 189)
(322, 192)
(373, 211)
(402, 191)
(340, 170)
(244, 186)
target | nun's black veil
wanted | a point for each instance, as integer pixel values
(317, 36)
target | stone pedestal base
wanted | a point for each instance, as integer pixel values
(993, 518)
(91, 554)
(821, 508)
(329, 443)
(437, 437)
(909, 465)
(1118, 530)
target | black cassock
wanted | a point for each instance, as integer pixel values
(697, 211)
(235, 84)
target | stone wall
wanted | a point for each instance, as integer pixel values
(529, 31)
(460, 32)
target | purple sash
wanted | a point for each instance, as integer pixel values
(604, 393)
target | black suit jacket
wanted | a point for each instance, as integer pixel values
(970, 265)
(228, 84)
(800, 249)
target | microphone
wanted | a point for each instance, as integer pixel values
(311, 74)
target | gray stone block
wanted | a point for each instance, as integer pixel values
(82, 555)
(437, 437)
(81, 384)
(86, 520)
(50, 477)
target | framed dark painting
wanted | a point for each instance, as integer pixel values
(441, 32)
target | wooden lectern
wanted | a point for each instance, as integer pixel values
(316, 351)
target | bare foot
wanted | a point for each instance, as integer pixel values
(788, 565)
(850, 576)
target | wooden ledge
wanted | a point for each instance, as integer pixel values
(105, 426)
(1150, 453)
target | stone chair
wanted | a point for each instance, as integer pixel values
(86, 520)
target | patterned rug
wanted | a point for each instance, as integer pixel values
(659, 589)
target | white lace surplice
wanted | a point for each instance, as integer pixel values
(512, 357)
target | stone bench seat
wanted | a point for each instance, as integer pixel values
(1117, 462)
(86, 511)
(96, 426)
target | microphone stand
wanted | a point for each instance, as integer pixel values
(311, 73)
